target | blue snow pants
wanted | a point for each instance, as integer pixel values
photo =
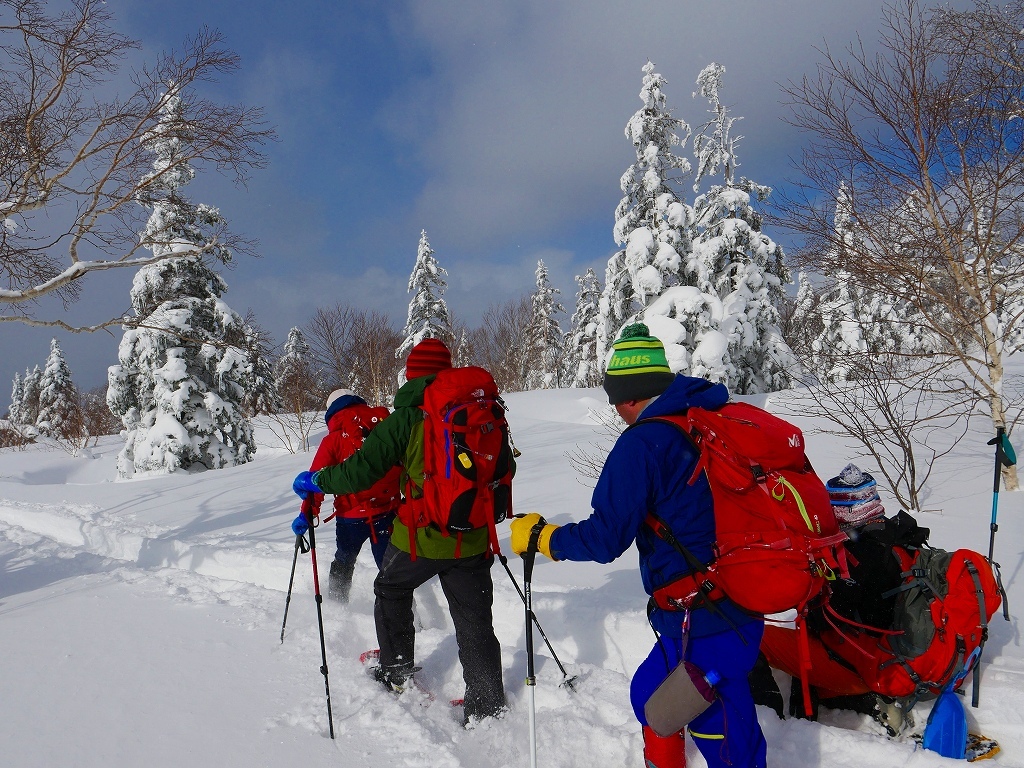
(726, 733)
(352, 533)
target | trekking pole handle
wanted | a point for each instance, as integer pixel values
(530, 555)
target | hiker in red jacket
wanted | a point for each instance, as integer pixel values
(359, 516)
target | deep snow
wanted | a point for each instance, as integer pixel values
(140, 622)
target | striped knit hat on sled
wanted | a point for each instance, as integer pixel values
(854, 495)
(427, 357)
(637, 369)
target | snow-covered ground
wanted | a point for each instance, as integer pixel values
(140, 623)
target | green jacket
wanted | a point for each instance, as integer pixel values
(398, 441)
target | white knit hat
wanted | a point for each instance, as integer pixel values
(339, 393)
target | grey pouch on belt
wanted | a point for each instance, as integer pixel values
(683, 695)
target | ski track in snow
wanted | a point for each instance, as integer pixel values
(593, 616)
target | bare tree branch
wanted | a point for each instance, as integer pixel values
(927, 136)
(72, 163)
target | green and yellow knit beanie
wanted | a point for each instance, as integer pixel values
(637, 368)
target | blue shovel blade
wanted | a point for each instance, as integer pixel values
(946, 731)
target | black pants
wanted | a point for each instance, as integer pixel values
(467, 585)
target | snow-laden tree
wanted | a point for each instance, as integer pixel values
(461, 352)
(299, 385)
(726, 328)
(29, 410)
(261, 397)
(868, 373)
(59, 413)
(428, 316)
(76, 100)
(651, 222)
(545, 335)
(930, 116)
(805, 324)
(295, 375)
(856, 320)
(582, 366)
(17, 395)
(182, 372)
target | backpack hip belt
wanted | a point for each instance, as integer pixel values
(688, 592)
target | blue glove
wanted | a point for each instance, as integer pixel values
(304, 485)
(300, 525)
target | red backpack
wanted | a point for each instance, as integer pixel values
(776, 538)
(777, 542)
(467, 458)
(357, 421)
(943, 608)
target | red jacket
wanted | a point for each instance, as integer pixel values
(346, 430)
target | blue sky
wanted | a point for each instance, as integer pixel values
(497, 127)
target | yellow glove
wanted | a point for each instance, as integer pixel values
(522, 528)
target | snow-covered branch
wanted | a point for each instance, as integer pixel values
(74, 161)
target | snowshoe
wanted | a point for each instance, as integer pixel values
(396, 678)
(981, 747)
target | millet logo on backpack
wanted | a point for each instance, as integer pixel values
(794, 441)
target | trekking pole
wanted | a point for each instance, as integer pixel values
(300, 543)
(567, 681)
(307, 510)
(531, 679)
(1005, 457)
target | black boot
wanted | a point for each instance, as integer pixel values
(339, 583)
(764, 688)
(394, 677)
(796, 702)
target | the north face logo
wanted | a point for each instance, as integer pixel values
(794, 441)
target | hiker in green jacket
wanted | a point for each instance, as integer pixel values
(462, 563)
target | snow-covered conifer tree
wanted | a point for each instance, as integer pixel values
(582, 366)
(295, 377)
(261, 397)
(17, 395)
(727, 329)
(461, 352)
(805, 323)
(59, 414)
(29, 410)
(545, 336)
(182, 372)
(428, 316)
(854, 321)
(651, 222)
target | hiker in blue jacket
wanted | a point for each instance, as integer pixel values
(648, 470)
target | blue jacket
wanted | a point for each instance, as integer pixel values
(648, 469)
